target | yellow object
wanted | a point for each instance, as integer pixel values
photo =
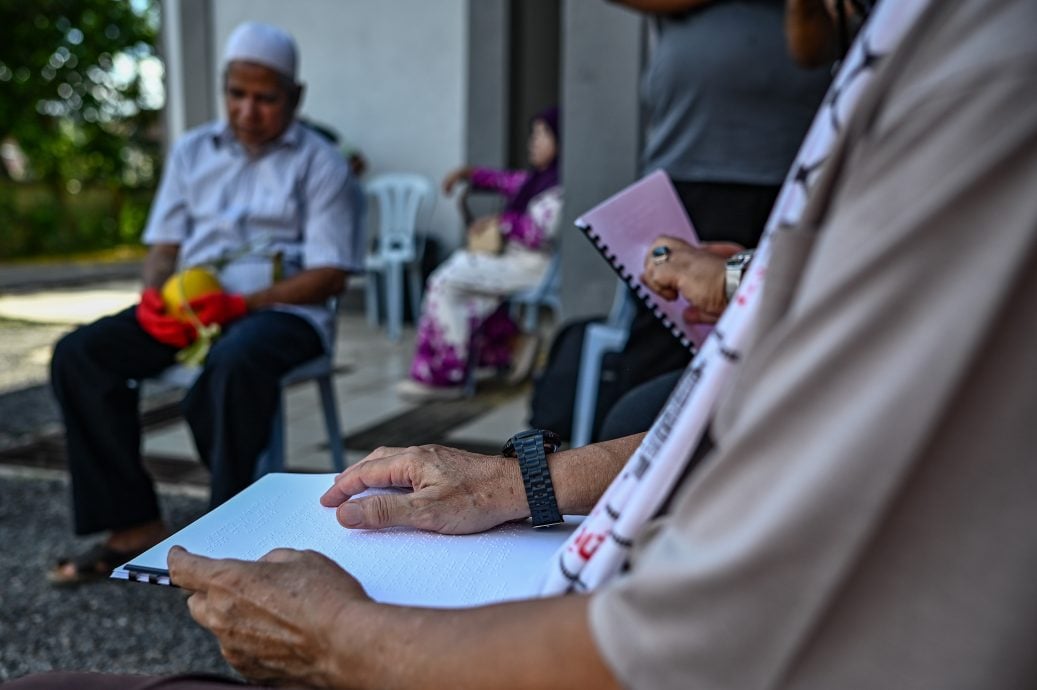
(186, 285)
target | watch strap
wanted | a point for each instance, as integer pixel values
(529, 448)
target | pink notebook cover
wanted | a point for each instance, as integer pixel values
(624, 226)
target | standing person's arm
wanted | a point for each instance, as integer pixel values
(295, 617)
(809, 32)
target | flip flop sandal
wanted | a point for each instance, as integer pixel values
(96, 563)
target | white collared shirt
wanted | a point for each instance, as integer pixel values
(216, 202)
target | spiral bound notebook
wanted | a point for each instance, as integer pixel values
(395, 566)
(624, 226)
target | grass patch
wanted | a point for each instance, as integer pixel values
(44, 220)
(127, 252)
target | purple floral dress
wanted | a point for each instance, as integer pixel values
(465, 293)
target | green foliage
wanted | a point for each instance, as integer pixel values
(95, 218)
(73, 99)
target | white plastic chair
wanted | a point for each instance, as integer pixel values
(598, 340)
(320, 370)
(399, 198)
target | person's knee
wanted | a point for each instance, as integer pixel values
(635, 411)
(235, 376)
(228, 370)
(70, 352)
(233, 361)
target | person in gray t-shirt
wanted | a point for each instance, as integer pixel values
(726, 109)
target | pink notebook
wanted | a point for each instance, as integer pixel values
(624, 226)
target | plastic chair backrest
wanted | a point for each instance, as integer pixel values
(552, 282)
(400, 197)
(621, 314)
(550, 285)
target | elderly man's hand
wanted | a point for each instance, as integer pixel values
(155, 319)
(274, 618)
(695, 273)
(454, 492)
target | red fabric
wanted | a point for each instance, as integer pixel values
(218, 307)
(152, 317)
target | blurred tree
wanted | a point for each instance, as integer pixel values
(75, 97)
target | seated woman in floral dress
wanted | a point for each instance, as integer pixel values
(466, 291)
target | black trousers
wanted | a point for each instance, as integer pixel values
(94, 374)
(726, 211)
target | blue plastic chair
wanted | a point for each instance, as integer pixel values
(598, 340)
(547, 294)
(399, 198)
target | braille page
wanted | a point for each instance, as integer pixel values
(396, 566)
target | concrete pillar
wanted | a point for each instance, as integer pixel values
(486, 136)
(601, 63)
(535, 68)
(189, 63)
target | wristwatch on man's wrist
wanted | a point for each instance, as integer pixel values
(735, 270)
(531, 448)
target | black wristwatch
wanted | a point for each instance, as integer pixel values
(531, 447)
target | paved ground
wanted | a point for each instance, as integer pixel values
(33, 315)
(109, 626)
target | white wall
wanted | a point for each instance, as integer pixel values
(388, 75)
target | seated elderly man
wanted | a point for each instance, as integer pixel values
(253, 196)
(865, 516)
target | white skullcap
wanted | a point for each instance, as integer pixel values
(263, 44)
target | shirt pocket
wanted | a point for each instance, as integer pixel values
(276, 214)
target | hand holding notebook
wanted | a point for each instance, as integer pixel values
(675, 269)
(625, 228)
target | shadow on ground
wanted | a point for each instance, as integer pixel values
(109, 626)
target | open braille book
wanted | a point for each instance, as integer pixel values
(395, 566)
